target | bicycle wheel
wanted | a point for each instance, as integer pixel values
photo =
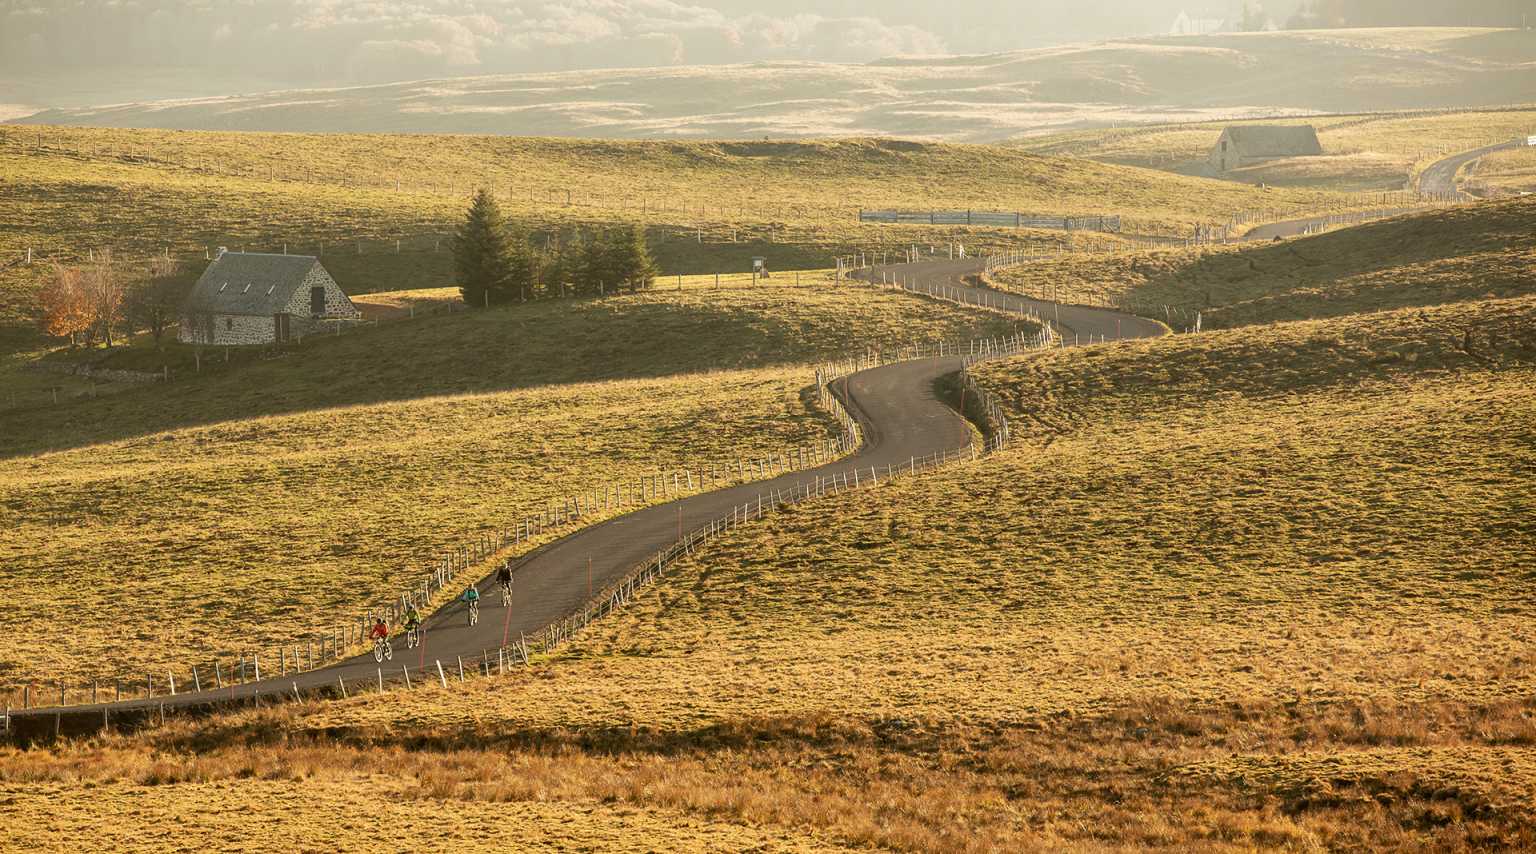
(388, 653)
(410, 639)
(506, 595)
(378, 652)
(474, 613)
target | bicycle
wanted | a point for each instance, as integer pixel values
(474, 611)
(506, 594)
(412, 637)
(381, 650)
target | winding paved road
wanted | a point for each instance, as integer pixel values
(902, 416)
(1440, 177)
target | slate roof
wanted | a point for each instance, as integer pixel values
(249, 283)
(1274, 141)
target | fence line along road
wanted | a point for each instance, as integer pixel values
(905, 428)
(998, 219)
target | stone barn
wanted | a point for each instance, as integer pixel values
(1246, 145)
(252, 298)
(1195, 22)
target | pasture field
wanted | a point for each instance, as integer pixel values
(1462, 253)
(1360, 149)
(205, 542)
(251, 501)
(800, 200)
(1252, 590)
(325, 808)
(1507, 172)
(657, 333)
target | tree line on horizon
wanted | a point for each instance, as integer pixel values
(496, 261)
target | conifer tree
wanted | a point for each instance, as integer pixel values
(483, 253)
(632, 263)
(596, 264)
(559, 265)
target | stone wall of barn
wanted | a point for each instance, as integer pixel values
(236, 329)
(337, 306)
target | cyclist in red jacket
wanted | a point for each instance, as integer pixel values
(380, 630)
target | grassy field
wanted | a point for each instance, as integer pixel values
(331, 443)
(214, 540)
(655, 334)
(798, 201)
(1264, 588)
(1252, 590)
(1507, 172)
(1359, 149)
(325, 809)
(1464, 253)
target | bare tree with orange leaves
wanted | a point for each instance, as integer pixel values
(68, 307)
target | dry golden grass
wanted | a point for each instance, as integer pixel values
(1256, 590)
(789, 320)
(402, 305)
(201, 543)
(1466, 252)
(802, 198)
(1338, 172)
(1262, 589)
(1356, 148)
(1508, 172)
(309, 804)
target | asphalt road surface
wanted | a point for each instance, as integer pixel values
(1440, 177)
(902, 417)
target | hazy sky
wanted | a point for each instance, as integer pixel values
(348, 42)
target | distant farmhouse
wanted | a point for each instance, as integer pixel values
(250, 298)
(1195, 22)
(1246, 145)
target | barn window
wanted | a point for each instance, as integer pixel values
(229, 323)
(1223, 145)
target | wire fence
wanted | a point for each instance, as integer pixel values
(999, 219)
(338, 641)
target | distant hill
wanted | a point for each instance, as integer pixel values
(965, 98)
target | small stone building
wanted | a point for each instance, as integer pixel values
(1195, 22)
(1249, 144)
(251, 298)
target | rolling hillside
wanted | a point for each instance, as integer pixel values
(1373, 152)
(708, 206)
(1461, 254)
(965, 98)
(1247, 591)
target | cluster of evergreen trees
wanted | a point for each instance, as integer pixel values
(495, 261)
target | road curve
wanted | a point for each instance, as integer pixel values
(1076, 324)
(903, 417)
(1440, 176)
